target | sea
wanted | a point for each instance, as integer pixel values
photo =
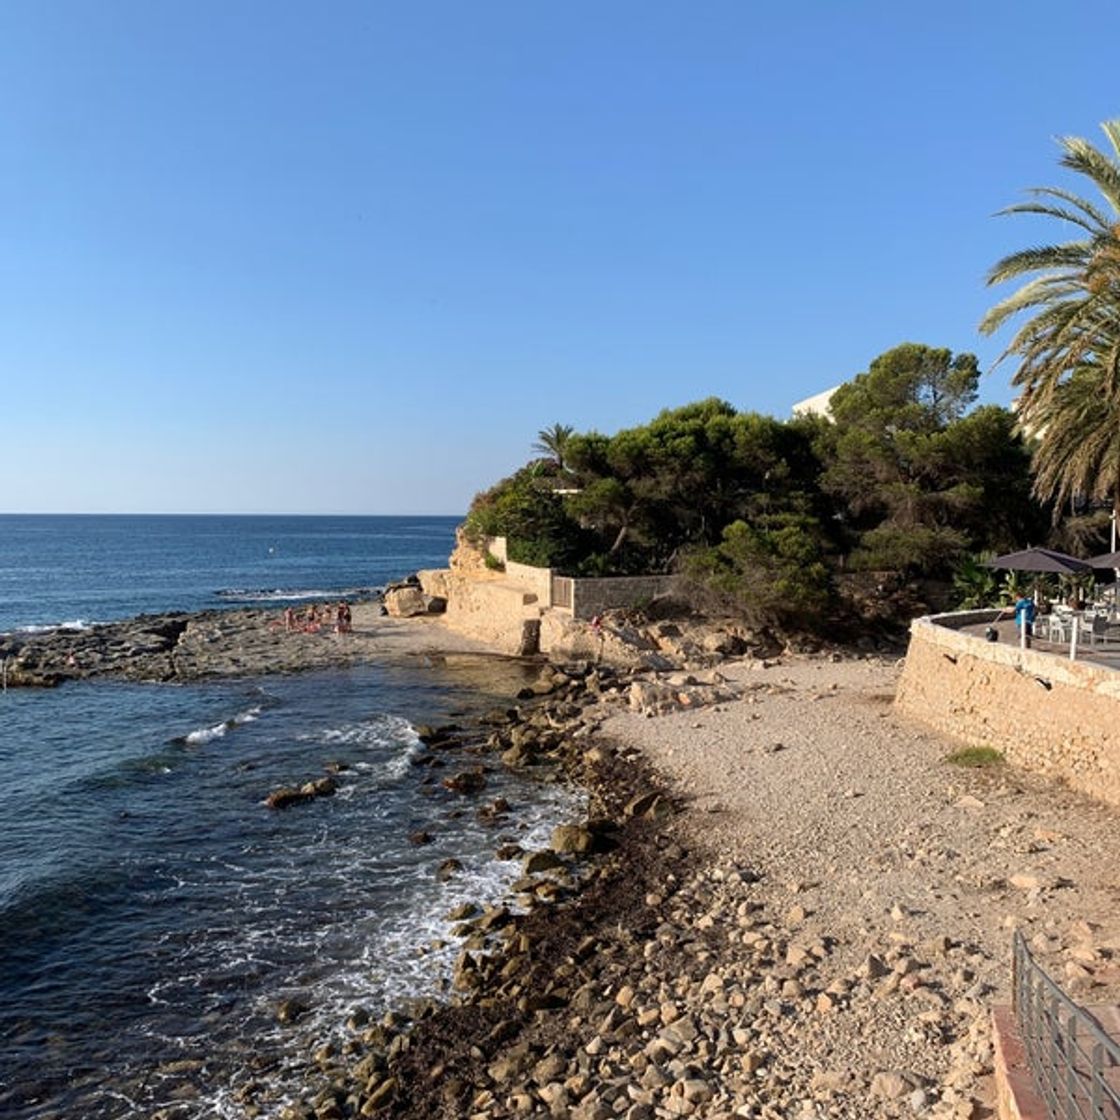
(154, 913)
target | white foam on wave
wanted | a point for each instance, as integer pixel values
(292, 594)
(76, 624)
(209, 734)
(377, 735)
(394, 942)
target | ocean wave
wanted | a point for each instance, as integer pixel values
(383, 733)
(208, 734)
(77, 624)
(293, 594)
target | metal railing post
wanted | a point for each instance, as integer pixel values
(1071, 1058)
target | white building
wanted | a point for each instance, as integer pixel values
(816, 406)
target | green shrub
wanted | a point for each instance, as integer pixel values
(974, 583)
(526, 510)
(910, 549)
(773, 571)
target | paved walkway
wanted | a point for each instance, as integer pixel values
(1107, 654)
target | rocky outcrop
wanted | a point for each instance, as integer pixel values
(286, 796)
(143, 648)
(179, 646)
(675, 691)
(405, 601)
(468, 559)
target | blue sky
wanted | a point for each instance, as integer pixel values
(350, 257)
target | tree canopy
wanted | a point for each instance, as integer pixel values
(907, 477)
(914, 471)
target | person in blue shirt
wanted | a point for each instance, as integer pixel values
(1024, 614)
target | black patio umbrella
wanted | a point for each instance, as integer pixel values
(1040, 560)
(1106, 560)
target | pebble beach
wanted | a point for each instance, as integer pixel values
(808, 912)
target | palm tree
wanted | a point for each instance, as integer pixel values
(552, 441)
(1069, 347)
(1078, 451)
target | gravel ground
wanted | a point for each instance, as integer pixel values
(885, 882)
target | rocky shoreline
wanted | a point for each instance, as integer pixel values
(510, 979)
(782, 902)
(803, 911)
(181, 646)
(527, 962)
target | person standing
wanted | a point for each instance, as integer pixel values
(1024, 618)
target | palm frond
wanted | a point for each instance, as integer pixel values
(1067, 339)
(1095, 215)
(1082, 157)
(1061, 213)
(1072, 255)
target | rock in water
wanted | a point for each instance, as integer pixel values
(467, 781)
(286, 795)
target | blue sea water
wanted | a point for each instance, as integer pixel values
(153, 911)
(80, 569)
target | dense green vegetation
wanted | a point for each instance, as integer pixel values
(763, 515)
(905, 481)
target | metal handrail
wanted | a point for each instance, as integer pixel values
(1074, 1062)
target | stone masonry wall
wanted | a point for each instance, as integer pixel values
(1048, 714)
(493, 611)
(593, 596)
(536, 580)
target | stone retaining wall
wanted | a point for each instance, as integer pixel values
(594, 596)
(490, 610)
(1045, 713)
(538, 581)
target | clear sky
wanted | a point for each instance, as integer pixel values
(350, 257)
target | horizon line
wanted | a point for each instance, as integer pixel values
(202, 513)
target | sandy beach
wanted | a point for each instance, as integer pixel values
(868, 845)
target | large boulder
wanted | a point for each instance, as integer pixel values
(405, 601)
(435, 582)
(657, 696)
(572, 839)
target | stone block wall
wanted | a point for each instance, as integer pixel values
(593, 596)
(1048, 714)
(538, 581)
(492, 611)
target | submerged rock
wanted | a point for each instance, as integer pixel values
(286, 796)
(467, 781)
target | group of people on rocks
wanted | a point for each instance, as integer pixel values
(315, 617)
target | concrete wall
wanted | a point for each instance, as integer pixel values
(1048, 714)
(593, 596)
